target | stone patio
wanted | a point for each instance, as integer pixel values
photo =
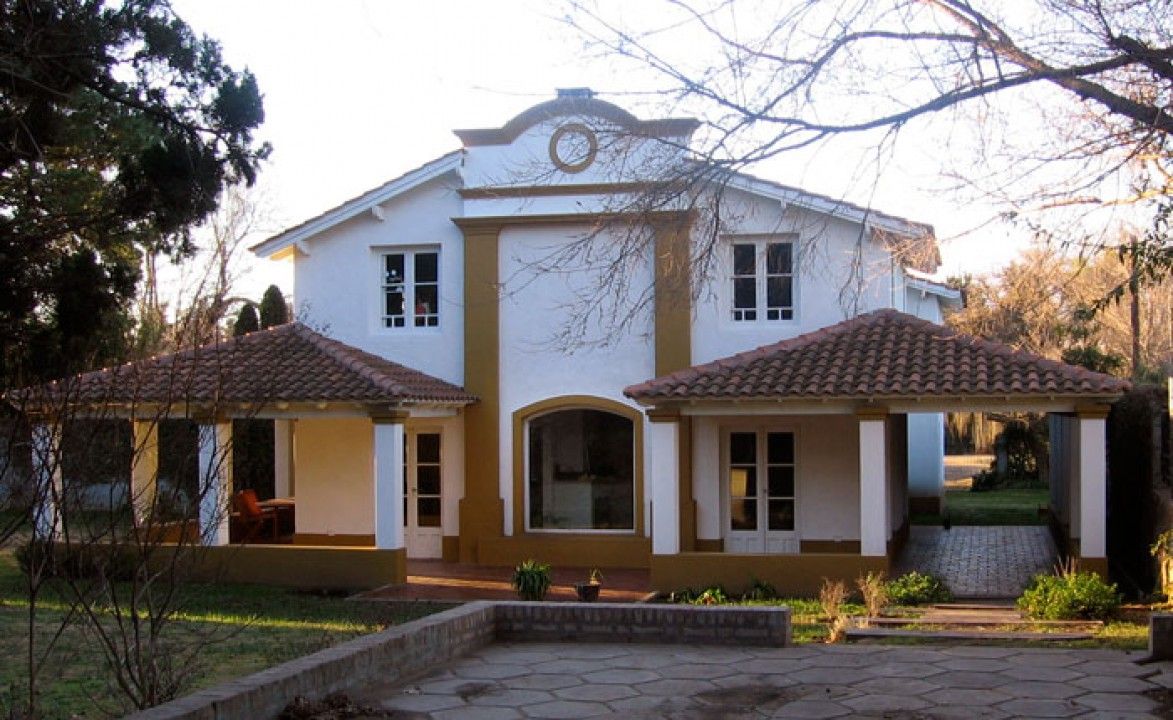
(980, 562)
(543, 680)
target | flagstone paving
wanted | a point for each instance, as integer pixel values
(569, 681)
(980, 561)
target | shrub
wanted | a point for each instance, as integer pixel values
(761, 590)
(76, 562)
(875, 592)
(831, 598)
(1069, 595)
(531, 579)
(916, 588)
(715, 595)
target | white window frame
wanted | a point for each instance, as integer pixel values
(409, 253)
(761, 309)
(525, 494)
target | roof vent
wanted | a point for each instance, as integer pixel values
(578, 92)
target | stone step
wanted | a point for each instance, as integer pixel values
(977, 621)
(955, 635)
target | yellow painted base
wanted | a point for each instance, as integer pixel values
(294, 566)
(799, 575)
(450, 549)
(1098, 565)
(707, 545)
(836, 547)
(334, 540)
(605, 551)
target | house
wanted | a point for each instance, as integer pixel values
(571, 340)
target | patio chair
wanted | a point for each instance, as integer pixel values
(252, 520)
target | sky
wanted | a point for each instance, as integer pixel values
(359, 91)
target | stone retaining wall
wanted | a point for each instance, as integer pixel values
(414, 648)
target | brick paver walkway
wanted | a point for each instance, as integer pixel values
(980, 562)
(811, 681)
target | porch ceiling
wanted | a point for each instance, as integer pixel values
(283, 367)
(885, 357)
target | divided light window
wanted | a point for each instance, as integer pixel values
(411, 288)
(763, 280)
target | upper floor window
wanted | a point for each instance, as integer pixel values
(763, 279)
(411, 288)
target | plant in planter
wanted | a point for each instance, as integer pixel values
(531, 579)
(589, 591)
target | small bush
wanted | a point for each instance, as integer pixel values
(916, 588)
(761, 590)
(832, 595)
(531, 579)
(76, 562)
(1069, 595)
(715, 595)
(875, 592)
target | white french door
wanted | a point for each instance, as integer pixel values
(760, 492)
(423, 534)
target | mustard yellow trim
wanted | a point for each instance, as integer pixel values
(481, 507)
(673, 298)
(601, 551)
(871, 412)
(571, 402)
(1094, 411)
(323, 540)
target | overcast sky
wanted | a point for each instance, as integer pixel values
(359, 91)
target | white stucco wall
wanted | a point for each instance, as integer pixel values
(338, 284)
(333, 457)
(826, 450)
(926, 431)
(533, 368)
(826, 288)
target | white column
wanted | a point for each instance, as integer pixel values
(387, 475)
(215, 482)
(144, 468)
(665, 484)
(873, 486)
(46, 465)
(1093, 487)
(283, 458)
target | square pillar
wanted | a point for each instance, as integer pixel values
(664, 435)
(873, 485)
(47, 485)
(1093, 485)
(283, 458)
(144, 468)
(215, 481)
(387, 477)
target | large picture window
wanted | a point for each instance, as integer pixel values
(763, 279)
(581, 471)
(411, 288)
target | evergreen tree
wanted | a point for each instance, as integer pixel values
(273, 309)
(246, 320)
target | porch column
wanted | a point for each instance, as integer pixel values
(47, 485)
(144, 468)
(873, 484)
(1093, 487)
(664, 434)
(387, 476)
(215, 481)
(283, 458)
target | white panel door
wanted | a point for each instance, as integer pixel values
(423, 533)
(760, 492)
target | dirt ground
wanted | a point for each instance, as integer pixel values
(960, 469)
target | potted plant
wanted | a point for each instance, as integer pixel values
(531, 579)
(589, 591)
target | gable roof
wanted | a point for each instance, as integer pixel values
(286, 363)
(884, 354)
(358, 205)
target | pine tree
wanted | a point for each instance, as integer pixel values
(246, 320)
(273, 308)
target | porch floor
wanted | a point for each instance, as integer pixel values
(979, 561)
(438, 580)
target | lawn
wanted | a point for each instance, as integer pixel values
(254, 628)
(1014, 506)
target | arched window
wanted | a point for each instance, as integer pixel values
(580, 471)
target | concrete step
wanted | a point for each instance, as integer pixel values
(854, 634)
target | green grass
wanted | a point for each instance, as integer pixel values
(1016, 506)
(251, 628)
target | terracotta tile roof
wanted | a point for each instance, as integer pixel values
(883, 354)
(289, 363)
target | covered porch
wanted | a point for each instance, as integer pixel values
(789, 463)
(367, 457)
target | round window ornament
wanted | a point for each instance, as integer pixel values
(573, 147)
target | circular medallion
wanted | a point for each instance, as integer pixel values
(573, 147)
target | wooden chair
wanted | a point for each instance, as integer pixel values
(253, 520)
